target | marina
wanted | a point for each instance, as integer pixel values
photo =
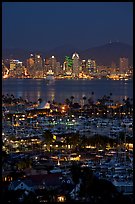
(107, 150)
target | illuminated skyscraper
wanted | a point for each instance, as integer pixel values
(83, 65)
(91, 66)
(15, 67)
(68, 65)
(30, 61)
(35, 66)
(38, 62)
(76, 65)
(52, 64)
(123, 68)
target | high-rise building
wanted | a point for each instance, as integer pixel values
(38, 60)
(52, 64)
(35, 66)
(123, 67)
(5, 71)
(83, 65)
(30, 61)
(113, 67)
(58, 69)
(30, 65)
(91, 66)
(76, 65)
(67, 66)
(12, 65)
(15, 67)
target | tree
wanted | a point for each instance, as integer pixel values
(72, 99)
(90, 101)
(84, 99)
(48, 136)
(67, 101)
(75, 172)
(72, 139)
(92, 94)
(40, 100)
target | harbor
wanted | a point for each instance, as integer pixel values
(50, 138)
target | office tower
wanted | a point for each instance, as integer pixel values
(52, 64)
(113, 67)
(46, 66)
(91, 66)
(15, 68)
(30, 62)
(5, 71)
(35, 66)
(76, 65)
(14, 64)
(58, 69)
(123, 67)
(83, 65)
(38, 61)
(68, 65)
(30, 65)
(38, 66)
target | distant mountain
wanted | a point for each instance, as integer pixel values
(17, 53)
(61, 51)
(104, 55)
(108, 53)
(22, 54)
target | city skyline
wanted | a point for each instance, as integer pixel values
(46, 25)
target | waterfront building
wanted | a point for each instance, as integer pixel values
(38, 66)
(76, 65)
(53, 64)
(46, 66)
(30, 61)
(30, 65)
(67, 66)
(15, 68)
(35, 66)
(113, 67)
(91, 66)
(83, 66)
(123, 66)
(58, 69)
(5, 71)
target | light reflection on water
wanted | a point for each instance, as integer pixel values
(33, 89)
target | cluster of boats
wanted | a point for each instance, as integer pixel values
(112, 166)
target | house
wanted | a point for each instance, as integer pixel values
(48, 181)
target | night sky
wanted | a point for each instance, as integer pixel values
(46, 25)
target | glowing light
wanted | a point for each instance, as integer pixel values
(54, 137)
(61, 199)
(75, 55)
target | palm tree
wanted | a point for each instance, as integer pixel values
(67, 101)
(72, 98)
(90, 101)
(84, 99)
(48, 136)
(92, 93)
(110, 94)
(40, 100)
